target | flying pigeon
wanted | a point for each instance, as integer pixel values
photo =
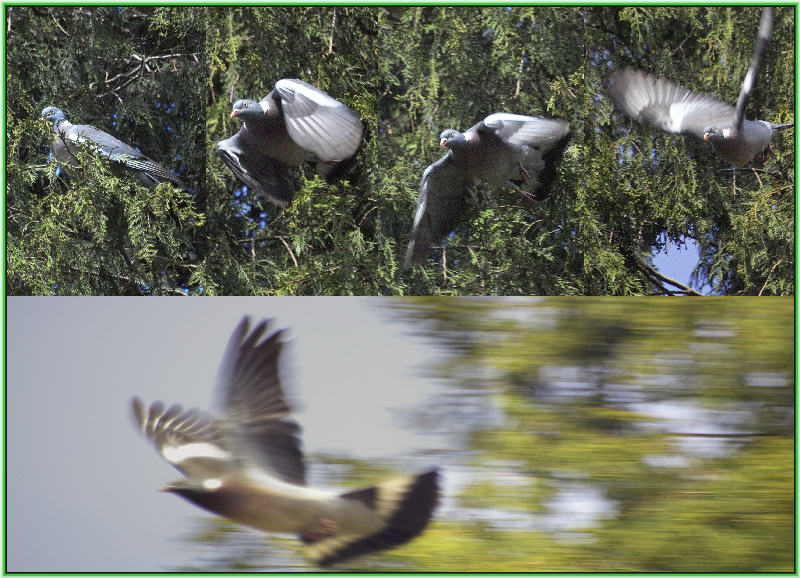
(293, 124)
(249, 467)
(670, 107)
(503, 150)
(69, 139)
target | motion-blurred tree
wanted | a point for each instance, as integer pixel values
(137, 73)
(679, 413)
(646, 188)
(450, 67)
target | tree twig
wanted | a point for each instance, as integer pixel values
(56, 21)
(519, 75)
(766, 281)
(333, 28)
(288, 248)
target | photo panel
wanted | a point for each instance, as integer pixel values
(293, 186)
(680, 200)
(489, 207)
(105, 124)
(400, 435)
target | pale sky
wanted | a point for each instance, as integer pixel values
(82, 482)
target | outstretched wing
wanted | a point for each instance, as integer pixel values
(667, 106)
(440, 203)
(516, 129)
(190, 440)
(251, 392)
(317, 122)
(762, 42)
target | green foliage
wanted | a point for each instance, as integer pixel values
(679, 414)
(622, 193)
(646, 188)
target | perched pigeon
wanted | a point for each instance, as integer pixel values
(70, 138)
(249, 467)
(670, 107)
(293, 124)
(503, 150)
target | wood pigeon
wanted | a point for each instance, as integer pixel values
(248, 467)
(293, 124)
(503, 150)
(670, 107)
(69, 139)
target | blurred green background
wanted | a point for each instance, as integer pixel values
(586, 435)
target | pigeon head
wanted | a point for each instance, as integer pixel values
(714, 135)
(209, 494)
(53, 115)
(246, 109)
(451, 138)
(187, 486)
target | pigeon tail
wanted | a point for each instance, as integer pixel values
(418, 248)
(405, 504)
(781, 126)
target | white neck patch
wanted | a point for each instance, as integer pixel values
(212, 484)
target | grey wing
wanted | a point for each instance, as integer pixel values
(762, 42)
(441, 202)
(538, 132)
(667, 106)
(317, 122)
(265, 176)
(190, 440)
(252, 394)
(117, 151)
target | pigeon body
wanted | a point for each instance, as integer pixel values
(503, 150)
(69, 139)
(249, 467)
(293, 124)
(672, 108)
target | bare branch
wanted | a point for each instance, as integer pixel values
(766, 281)
(56, 21)
(651, 272)
(333, 28)
(288, 248)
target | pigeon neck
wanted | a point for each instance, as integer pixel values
(60, 124)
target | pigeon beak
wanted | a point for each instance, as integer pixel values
(443, 142)
(234, 113)
(167, 488)
(706, 136)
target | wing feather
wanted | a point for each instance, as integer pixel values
(319, 123)
(441, 202)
